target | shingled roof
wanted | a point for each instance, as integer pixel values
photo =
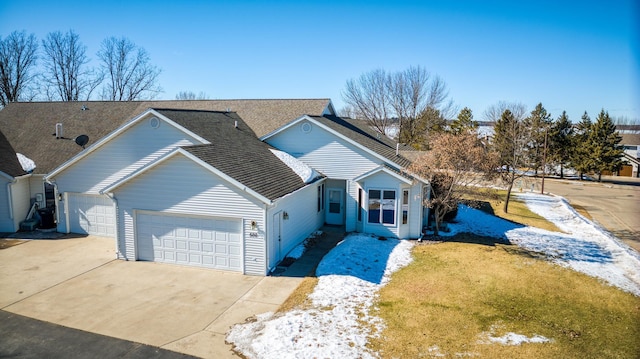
(28, 126)
(359, 132)
(9, 163)
(237, 152)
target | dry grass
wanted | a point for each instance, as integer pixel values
(492, 202)
(452, 293)
(582, 211)
(299, 298)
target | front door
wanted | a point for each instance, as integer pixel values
(276, 233)
(334, 207)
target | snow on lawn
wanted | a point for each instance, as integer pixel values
(338, 324)
(584, 247)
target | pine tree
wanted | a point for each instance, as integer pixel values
(510, 142)
(538, 123)
(581, 154)
(464, 123)
(606, 154)
(560, 142)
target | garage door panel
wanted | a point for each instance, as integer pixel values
(197, 241)
(91, 214)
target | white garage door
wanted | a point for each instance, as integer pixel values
(197, 241)
(91, 214)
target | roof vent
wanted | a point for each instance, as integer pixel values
(59, 133)
(83, 108)
(235, 124)
(228, 109)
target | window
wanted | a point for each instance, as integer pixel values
(405, 206)
(320, 197)
(382, 206)
(359, 204)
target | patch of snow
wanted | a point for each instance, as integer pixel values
(514, 339)
(297, 252)
(338, 324)
(306, 173)
(584, 247)
(26, 163)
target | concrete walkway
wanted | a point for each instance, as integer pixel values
(77, 283)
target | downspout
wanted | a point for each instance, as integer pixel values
(115, 203)
(10, 197)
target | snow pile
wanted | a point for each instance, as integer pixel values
(297, 252)
(584, 247)
(306, 173)
(338, 324)
(26, 163)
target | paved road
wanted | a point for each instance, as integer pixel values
(22, 337)
(614, 203)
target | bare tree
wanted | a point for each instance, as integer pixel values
(384, 98)
(190, 95)
(18, 55)
(510, 141)
(454, 166)
(369, 98)
(66, 76)
(129, 74)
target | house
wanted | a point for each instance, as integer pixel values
(631, 156)
(184, 182)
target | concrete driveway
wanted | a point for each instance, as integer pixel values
(77, 283)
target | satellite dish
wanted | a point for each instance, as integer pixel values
(82, 140)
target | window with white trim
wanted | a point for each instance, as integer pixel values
(382, 206)
(405, 206)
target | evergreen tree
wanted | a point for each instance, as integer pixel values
(560, 142)
(605, 150)
(581, 153)
(464, 123)
(510, 141)
(538, 124)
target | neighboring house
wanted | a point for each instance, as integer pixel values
(232, 188)
(631, 156)
(14, 185)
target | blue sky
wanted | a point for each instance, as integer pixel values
(570, 55)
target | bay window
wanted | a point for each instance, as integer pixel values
(382, 206)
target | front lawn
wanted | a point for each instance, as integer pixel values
(454, 296)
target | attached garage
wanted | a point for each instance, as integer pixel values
(189, 240)
(91, 214)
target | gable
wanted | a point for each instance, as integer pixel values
(129, 148)
(321, 149)
(179, 184)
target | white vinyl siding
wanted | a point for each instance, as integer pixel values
(181, 186)
(324, 152)
(91, 214)
(130, 150)
(210, 242)
(303, 219)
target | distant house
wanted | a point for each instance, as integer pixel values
(232, 185)
(631, 156)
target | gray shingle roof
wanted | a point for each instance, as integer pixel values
(29, 126)
(237, 152)
(9, 163)
(361, 133)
